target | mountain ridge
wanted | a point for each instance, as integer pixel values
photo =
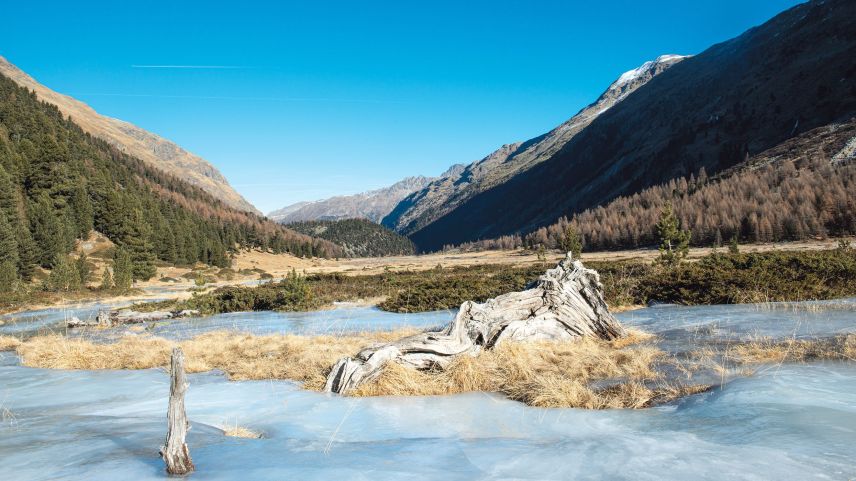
(794, 73)
(445, 194)
(373, 205)
(153, 149)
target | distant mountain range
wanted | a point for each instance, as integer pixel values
(156, 151)
(372, 205)
(665, 120)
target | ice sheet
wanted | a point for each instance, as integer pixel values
(786, 422)
(793, 422)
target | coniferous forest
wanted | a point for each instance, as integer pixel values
(357, 237)
(798, 190)
(57, 184)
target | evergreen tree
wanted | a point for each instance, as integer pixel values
(81, 266)
(63, 276)
(8, 197)
(8, 277)
(136, 239)
(8, 243)
(674, 242)
(571, 242)
(123, 269)
(27, 251)
(47, 232)
(81, 207)
(106, 280)
(734, 245)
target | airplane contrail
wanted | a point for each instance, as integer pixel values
(191, 66)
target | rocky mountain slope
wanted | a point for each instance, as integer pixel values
(443, 195)
(134, 141)
(790, 75)
(372, 205)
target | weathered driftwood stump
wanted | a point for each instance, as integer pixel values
(565, 303)
(175, 452)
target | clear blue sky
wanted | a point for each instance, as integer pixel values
(326, 98)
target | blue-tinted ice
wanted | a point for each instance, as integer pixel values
(786, 422)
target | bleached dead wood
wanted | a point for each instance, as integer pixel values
(174, 452)
(124, 316)
(565, 303)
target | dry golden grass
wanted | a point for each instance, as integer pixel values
(546, 374)
(235, 431)
(241, 356)
(792, 350)
(556, 374)
(586, 373)
(9, 343)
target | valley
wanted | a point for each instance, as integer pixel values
(661, 285)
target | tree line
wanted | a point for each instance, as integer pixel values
(58, 183)
(779, 201)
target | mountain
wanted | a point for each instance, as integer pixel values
(58, 184)
(794, 73)
(802, 188)
(444, 195)
(134, 141)
(372, 205)
(357, 237)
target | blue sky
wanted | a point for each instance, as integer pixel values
(313, 99)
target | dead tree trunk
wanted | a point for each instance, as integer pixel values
(566, 303)
(175, 453)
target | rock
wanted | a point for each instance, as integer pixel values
(565, 303)
(75, 322)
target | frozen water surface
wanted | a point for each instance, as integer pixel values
(786, 422)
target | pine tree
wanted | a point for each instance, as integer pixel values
(123, 274)
(8, 197)
(81, 207)
(674, 242)
(136, 239)
(571, 242)
(734, 245)
(106, 280)
(63, 276)
(8, 243)
(8, 277)
(47, 232)
(81, 266)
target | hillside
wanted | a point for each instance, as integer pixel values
(443, 195)
(795, 73)
(357, 237)
(373, 205)
(57, 184)
(804, 188)
(136, 142)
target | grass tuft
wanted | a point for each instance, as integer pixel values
(9, 343)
